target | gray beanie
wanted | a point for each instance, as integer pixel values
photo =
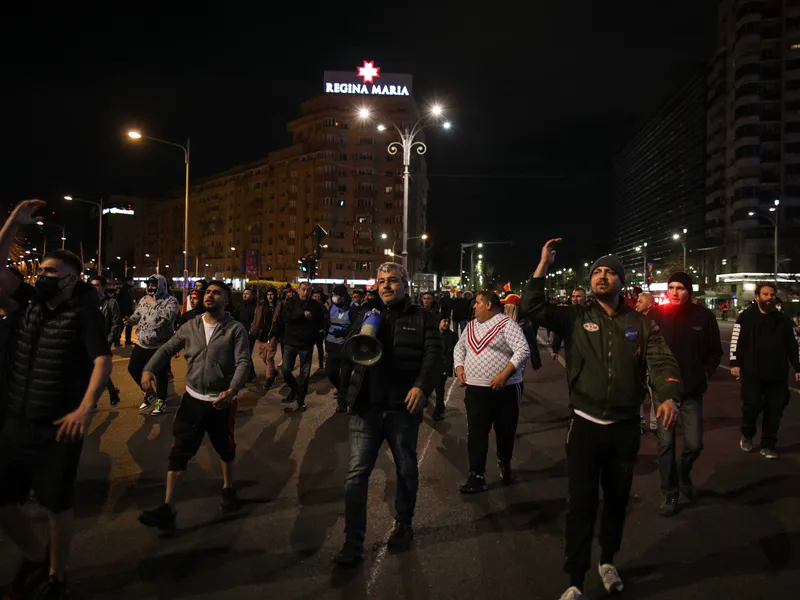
(612, 261)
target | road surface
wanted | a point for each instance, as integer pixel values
(741, 540)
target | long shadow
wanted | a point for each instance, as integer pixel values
(92, 492)
(320, 485)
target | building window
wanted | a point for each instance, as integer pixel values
(340, 266)
(364, 219)
(389, 189)
(364, 203)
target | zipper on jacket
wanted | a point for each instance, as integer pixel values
(608, 390)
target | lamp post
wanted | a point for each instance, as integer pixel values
(408, 143)
(63, 234)
(99, 205)
(137, 135)
(775, 222)
(643, 250)
(682, 240)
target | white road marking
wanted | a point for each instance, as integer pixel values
(376, 566)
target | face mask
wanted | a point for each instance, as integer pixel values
(151, 292)
(337, 300)
(48, 287)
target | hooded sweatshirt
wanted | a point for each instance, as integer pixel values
(155, 320)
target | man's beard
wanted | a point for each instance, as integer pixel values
(605, 296)
(766, 306)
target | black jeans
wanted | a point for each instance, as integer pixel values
(128, 332)
(598, 455)
(440, 393)
(298, 386)
(136, 364)
(333, 367)
(769, 397)
(674, 474)
(400, 429)
(321, 351)
(487, 408)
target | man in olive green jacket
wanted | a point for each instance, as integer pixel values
(609, 348)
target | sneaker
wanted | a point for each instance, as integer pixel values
(611, 579)
(162, 517)
(349, 556)
(506, 476)
(292, 397)
(29, 577)
(400, 535)
(160, 408)
(746, 444)
(149, 398)
(230, 501)
(52, 589)
(474, 484)
(670, 507)
(114, 398)
(572, 593)
(769, 453)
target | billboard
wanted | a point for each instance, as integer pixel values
(367, 80)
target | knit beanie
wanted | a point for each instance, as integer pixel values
(339, 290)
(613, 262)
(683, 278)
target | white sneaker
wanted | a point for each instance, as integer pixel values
(611, 579)
(160, 408)
(572, 593)
(149, 398)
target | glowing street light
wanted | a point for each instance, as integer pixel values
(384, 236)
(775, 222)
(138, 135)
(406, 144)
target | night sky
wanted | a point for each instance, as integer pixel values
(541, 95)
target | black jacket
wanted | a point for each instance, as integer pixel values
(125, 301)
(111, 313)
(608, 357)
(462, 309)
(297, 330)
(412, 357)
(247, 311)
(53, 354)
(763, 346)
(692, 334)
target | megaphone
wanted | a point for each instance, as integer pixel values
(364, 349)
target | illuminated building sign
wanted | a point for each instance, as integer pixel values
(117, 211)
(367, 80)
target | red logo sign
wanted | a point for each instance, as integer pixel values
(591, 326)
(369, 71)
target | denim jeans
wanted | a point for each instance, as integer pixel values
(298, 386)
(367, 433)
(676, 474)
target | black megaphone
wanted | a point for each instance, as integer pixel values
(364, 349)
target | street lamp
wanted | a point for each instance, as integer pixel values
(407, 143)
(643, 250)
(63, 234)
(99, 206)
(138, 135)
(682, 240)
(775, 222)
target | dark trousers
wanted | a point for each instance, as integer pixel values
(128, 332)
(400, 429)
(769, 397)
(487, 408)
(321, 352)
(112, 389)
(298, 386)
(676, 474)
(598, 455)
(440, 393)
(333, 368)
(136, 364)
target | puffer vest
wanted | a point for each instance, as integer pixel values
(47, 379)
(339, 322)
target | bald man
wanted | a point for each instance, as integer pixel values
(645, 303)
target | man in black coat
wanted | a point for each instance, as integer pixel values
(125, 301)
(763, 345)
(692, 334)
(301, 321)
(386, 402)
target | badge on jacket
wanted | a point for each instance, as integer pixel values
(591, 326)
(631, 334)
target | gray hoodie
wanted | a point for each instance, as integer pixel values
(155, 321)
(210, 369)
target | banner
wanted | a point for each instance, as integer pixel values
(252, 263)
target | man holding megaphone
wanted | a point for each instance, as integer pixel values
(397, 352)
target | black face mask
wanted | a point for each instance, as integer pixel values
(48, 287)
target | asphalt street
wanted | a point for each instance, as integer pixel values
(741, 539)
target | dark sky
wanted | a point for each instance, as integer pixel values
(541, 94)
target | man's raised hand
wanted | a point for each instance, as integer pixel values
(24, 212)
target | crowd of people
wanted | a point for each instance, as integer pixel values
(56, 339)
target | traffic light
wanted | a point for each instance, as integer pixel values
(317, 235)
(312, 269)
